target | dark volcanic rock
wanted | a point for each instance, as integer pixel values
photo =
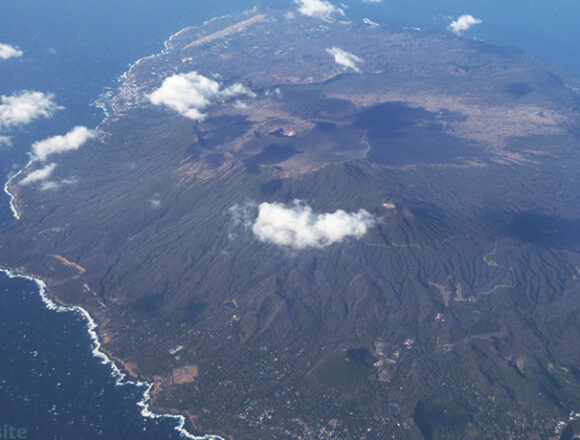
(455, 316)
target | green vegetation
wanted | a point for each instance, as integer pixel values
(454, 316)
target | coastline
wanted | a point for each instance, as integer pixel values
(12, 196)
(149, 399)
(105, 102)
(119, 376)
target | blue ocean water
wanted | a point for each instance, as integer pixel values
(543, 28)
(50, 383)
(52, 386)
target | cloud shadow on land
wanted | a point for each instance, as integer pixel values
(545, 230)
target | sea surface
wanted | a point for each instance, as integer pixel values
(51, 384)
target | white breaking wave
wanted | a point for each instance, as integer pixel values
(96, 351)
(91, 325)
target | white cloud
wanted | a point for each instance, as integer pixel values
(7, 51)
(73, 140)
(39, 175)
(51, 184)
(5, 141)
(345, 59)
(370, 22)
(191, 93)
(318, 8)
(48, 185)
(237, 89)
(240, 105)
(155, 202)
(463, 23)
(296, 226)
(24, 107)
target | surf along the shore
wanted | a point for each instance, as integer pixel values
(121, 378)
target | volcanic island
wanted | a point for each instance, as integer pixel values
(302, 228)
